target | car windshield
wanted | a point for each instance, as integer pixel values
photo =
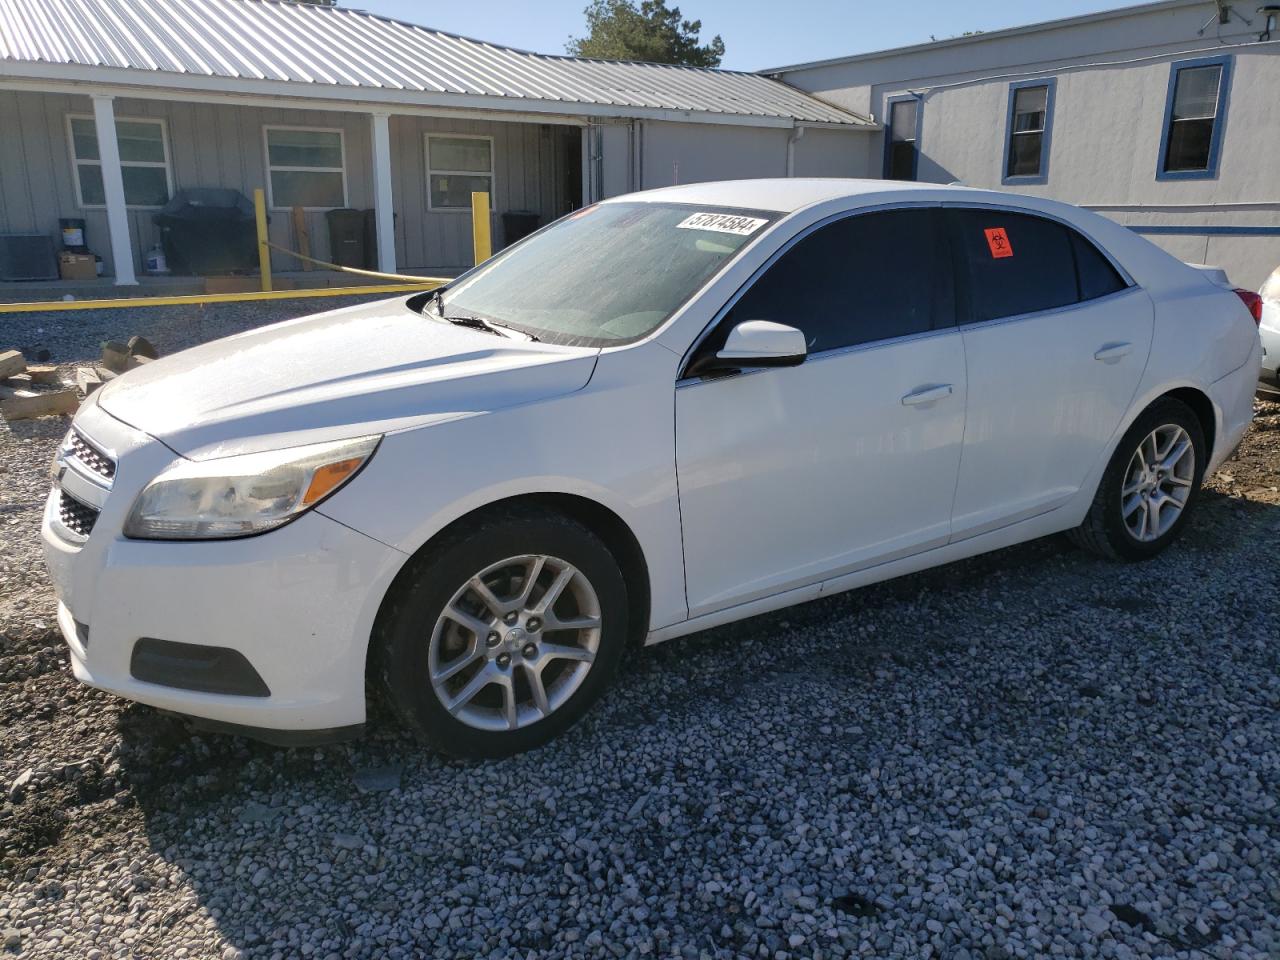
(605, 275)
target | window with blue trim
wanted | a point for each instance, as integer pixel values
(1195, 116)
(1027, 131)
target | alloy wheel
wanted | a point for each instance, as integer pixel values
(1158, 482)
(514, 642)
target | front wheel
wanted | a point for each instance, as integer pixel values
(504, 635)
(1149, 487)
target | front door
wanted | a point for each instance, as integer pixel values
(791, 475)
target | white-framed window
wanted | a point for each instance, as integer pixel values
(306, 167)
(144, 161)
(458, 165)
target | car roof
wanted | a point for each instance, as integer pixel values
(1146, 263)
(784, 195)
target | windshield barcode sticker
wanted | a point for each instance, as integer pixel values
(722, 223)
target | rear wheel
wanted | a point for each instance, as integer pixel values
(504, 635)
(1149, 487)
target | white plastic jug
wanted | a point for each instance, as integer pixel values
(155, 261)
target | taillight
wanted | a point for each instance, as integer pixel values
(1251, 301)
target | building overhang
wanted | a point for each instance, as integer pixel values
(126, 82)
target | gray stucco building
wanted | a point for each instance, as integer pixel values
(1163, 116)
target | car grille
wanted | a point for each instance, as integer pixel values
(90, 456)
(77, 517)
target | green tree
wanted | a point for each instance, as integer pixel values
(652, 31)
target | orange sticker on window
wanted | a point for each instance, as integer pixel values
(998, 241)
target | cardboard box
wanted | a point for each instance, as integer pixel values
(77, 266)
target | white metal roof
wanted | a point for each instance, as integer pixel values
(318, 49)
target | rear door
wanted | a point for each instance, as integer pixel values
(788, 476)
(1056, 341)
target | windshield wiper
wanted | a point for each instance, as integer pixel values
(475, 322)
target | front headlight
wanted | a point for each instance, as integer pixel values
(243, 495)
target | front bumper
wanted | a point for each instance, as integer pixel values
(298, 603)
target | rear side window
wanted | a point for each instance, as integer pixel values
(867, 277)
(1096, 274)
(1019, 263)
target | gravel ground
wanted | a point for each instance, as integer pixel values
(1029, 754)
(74, 336)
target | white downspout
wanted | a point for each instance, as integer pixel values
(797, 134)
(104, 122)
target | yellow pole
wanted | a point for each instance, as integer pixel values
(480, 227)
(264, 254)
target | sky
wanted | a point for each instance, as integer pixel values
(756, 33)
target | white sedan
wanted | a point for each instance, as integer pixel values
(664, 412)
(1267, 310)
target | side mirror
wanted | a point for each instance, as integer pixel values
(757, 343)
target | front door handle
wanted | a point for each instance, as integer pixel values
(1111, 352)
(924, 395)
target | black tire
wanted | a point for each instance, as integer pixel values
(402, 635)
(1104, 531)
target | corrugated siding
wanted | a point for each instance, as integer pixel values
(330, 46)
(530, 162)
(217, 145)
(35, 167)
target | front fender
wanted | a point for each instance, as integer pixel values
(612, 443)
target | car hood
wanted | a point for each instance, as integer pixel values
(360, 370)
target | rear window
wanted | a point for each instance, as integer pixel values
(1019, 263)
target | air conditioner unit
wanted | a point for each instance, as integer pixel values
(27, 256)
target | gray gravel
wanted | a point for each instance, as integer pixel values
(1029, 754)
(74, 336)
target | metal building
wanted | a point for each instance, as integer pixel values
(107, 107)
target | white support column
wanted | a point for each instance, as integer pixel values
(383, 205)
(104, 120)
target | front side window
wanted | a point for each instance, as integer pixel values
(902, 139)
(458, 167)
(1027, 149)
(1194, 119)
(144, 162)
(604, 275)
(868, 277)
(1020, 264)
(306, 168)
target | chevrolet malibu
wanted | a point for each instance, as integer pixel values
(663, 412)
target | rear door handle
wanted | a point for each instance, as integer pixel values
(930, 394)
(1111, 352)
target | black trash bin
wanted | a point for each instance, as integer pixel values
(518, 224)
(208, 230)
(346, 237)
(371, 237)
